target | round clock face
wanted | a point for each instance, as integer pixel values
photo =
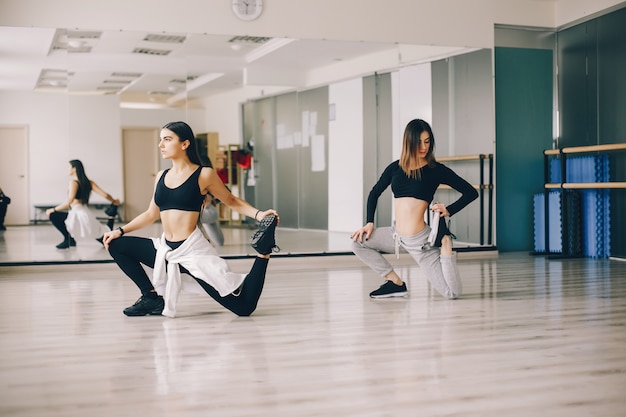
(247, 9)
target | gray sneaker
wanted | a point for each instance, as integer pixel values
(389, 289)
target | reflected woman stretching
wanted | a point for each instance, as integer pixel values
(183, 259)
(79, 222)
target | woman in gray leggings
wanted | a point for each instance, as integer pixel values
(414, 178)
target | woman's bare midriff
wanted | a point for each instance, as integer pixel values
(409, 215)
(178, 224)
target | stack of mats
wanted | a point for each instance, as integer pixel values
(588, 210)
(555, 243)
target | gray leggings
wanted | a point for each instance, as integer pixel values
(440, 270)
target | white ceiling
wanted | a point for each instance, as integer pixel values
(172, 68)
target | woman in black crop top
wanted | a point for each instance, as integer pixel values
(182, 259)
(414, 178)
(79, 220)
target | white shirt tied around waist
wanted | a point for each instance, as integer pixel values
(81, 223)
(198, 257)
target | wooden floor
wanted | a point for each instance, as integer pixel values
(532, 336)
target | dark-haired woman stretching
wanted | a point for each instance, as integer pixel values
(79, 222)
(414, 178)
(183, 259)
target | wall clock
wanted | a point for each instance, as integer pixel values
(247, 9)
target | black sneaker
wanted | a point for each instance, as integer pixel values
(64, 245)
(442, 231)
(389, 289)
(146, 306)
(263, 240)
(72, 242)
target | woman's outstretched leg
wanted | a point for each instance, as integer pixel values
(244, 300)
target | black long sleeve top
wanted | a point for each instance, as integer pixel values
(422, 188)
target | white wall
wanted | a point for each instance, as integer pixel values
(567, 12)
(91, 135)
(412, 99)
(46, 118)
(345, 156)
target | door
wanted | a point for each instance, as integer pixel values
(14, 173)
(141, 164)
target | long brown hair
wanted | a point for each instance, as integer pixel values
(410, 147)
(84, 184)
(184, 132)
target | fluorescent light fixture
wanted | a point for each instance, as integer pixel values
(192, 85)
(267, 48)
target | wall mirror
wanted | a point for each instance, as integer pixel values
(176, 70)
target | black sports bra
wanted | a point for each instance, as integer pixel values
(186, 197)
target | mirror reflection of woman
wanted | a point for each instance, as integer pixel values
(210, 219)
(73, 218)
(414, 178)
(183, 259)
(4, 203)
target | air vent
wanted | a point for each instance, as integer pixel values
(165, 38)
(150, 51)
(123, 82)
(127, 74)
(178, 81)
(108, 88)
(249, 39)
(160, 93)
(83, 34)
(83, 49)
(52, 78)
(75, 40)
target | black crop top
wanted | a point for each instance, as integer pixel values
(186, 197)
(421, 188)
(79, 194)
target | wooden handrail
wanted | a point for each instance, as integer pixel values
(585, 185)
(583, 149)
(596, 148)
(464, 157)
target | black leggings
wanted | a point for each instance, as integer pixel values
(129, 252)
(57, 218)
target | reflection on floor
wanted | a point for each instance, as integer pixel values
(35, 244)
